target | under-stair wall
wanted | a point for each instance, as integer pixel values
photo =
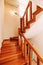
(11, 22)
(1, 21)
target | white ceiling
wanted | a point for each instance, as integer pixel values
(17, 2)
(13, 2)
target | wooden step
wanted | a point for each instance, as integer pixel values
(10, 46)
(13, 49)
(19, 61)
(11, 54)
(6, 50)
(9, 42)
(8, 53)
(14, 38)
(9, 57)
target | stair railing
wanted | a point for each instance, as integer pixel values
(22, 26)
(22, 30)
(26, 24)
(31, 49)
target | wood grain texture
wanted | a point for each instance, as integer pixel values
(11, 54)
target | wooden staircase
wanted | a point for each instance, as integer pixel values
(11, 51)
(11, 54)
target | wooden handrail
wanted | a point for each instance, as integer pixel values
(29, 5)
(39, 9)
(35, 14)
(32, 47)
(32, 17)
(22, 27)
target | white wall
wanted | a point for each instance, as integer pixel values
(37, 41)
(1, 20)
(36, 28)
(22, 6)
(11, 23)
(38, 2)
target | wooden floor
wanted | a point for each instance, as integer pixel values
(11, 54)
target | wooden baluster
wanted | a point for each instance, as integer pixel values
(18, 40)
(22, 24)
(21, 42)
(24, 48)
(26, 17)
(38, 61)
(30, 10)
(30, 56)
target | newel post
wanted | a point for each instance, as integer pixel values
(26, 16)
(38, 61)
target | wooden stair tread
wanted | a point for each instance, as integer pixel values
(10, 51)
(9, 57)
(14, 38)
(13, 44)
(10, 47)
(8, 54)
(19, 61)
(11, 54)
(9, 42)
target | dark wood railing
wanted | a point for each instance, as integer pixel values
(22, 30)
(22, 26)
(30, 49)
(32, 17)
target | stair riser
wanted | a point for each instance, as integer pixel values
(9, 45)
(11, 58)
(10, 51)
(13, 52)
